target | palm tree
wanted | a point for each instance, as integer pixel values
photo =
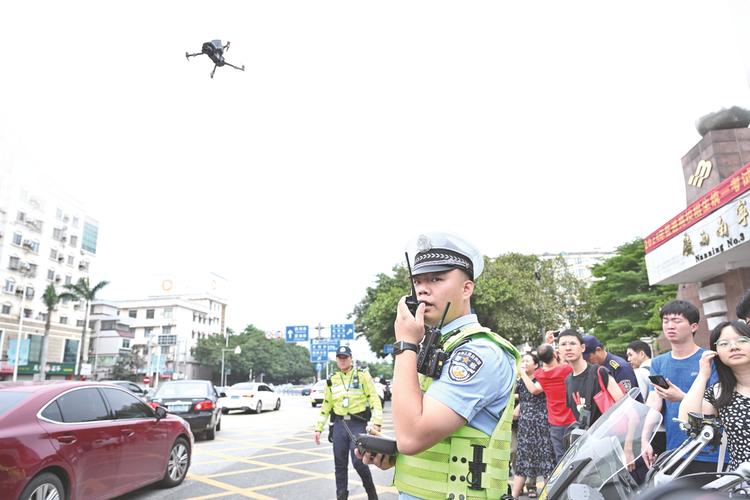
(50, 299)
(82, 291)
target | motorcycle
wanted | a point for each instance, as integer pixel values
(595, 466)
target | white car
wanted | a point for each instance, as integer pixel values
(250, 396)
(317, 393)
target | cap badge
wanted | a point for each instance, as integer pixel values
(423, 243)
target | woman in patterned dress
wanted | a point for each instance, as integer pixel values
(730, 396)
(534, 455)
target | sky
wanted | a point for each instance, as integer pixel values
(521, 126)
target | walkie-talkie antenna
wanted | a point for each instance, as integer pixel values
(411, 302)
(447, 306)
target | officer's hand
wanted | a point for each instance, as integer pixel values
(383, 462)
(409, 328)
(374, 430)
(317, 437)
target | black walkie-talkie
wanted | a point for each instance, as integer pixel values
(411, 301)
(431, 357)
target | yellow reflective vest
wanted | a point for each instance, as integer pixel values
(348, 394)
(468, 464)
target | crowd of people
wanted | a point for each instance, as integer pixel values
(453, 403)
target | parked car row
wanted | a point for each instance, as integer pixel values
(86, 440)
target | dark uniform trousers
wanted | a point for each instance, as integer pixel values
(343, 447)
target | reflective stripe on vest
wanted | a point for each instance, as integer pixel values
(443, 469)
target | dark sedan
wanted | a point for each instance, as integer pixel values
(197, 401)
(85, 440)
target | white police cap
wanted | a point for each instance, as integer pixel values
(438, 252)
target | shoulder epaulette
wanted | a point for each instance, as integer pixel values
(614, 364)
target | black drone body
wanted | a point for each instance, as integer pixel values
(215, 51)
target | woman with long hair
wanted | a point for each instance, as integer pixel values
(730, 396)
(534, 454)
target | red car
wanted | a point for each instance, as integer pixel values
(85, 440)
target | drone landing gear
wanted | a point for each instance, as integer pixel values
(227, 64)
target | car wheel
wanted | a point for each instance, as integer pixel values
(224, 411)
(46, 486)
(218, 425)
(178, 463)
(278, 405)
(259, 407)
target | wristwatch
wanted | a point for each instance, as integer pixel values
(402, 346)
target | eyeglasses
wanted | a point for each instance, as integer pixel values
(739, 342)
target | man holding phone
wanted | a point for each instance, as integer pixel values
(673, 373)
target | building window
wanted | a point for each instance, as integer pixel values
(165, 349)
(126, 343)
(10, 286)
(79, 323)
(166, 330)
(51, 274)
(133, 313)
(71, 260)
(71, 349)
(27, 313)
(58, 233)
(75, 221)
(108, 325)
(168, 312)
(21, 216)
(65, 301)
(68, 279)
(53, 254)
(31, 245)
(63, 320)
(147, 332)
(17, 239)
(88, 240)
(149, 314)
(73, 240)
(14, 263)
(59, 214)
(29, 292)
(35, 348)
(6, 308)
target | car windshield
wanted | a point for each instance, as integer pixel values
(9, 399)
(195, 390)
(319, 384)
(245, 386)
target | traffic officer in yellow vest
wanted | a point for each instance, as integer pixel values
(454, 439)
(351, 395)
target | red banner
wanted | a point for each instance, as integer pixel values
(729, 189)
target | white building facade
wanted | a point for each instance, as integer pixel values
(45, 239)
(580, 263)
(166, 329)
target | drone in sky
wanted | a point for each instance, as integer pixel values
(215, 51)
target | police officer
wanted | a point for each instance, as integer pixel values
(596, 354)
(453, 439)
(351, 395)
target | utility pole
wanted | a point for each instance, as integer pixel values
(320, 328)
(20, 328)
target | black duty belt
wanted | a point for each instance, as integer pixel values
(363, 415)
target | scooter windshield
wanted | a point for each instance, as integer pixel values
(600, 456)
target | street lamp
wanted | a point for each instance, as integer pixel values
(25, 272)
(236, 350)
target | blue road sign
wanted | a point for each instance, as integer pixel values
(388, 349)
(344, 331)
(318, 350)
(296, 333)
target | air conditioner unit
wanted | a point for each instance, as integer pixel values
(19, 291)
(63, 239)
(58, 278)
(83, 266)
(61, 259)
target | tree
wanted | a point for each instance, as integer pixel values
(624, 306)
(124, 367)
(83, 292)
(50, 299)
(277, 361)
(516, 296)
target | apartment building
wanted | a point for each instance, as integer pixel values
(167, 329)
(45, 238)
(580, 263)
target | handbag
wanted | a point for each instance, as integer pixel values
(603, 398)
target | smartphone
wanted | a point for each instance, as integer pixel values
(659, 380)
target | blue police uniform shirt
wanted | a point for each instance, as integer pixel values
(622, 372)
(479, 388)
(682, 373)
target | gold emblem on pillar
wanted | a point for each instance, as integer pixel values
(705, 240)
(742, 213)
(687, 246)
(723, 231)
